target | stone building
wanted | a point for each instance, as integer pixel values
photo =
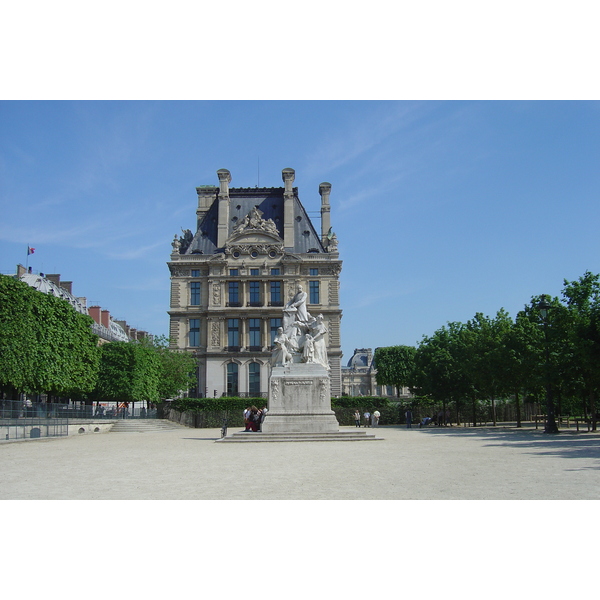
(359, 378)
(230, 279)
(105, 327)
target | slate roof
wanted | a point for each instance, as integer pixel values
(270, 202)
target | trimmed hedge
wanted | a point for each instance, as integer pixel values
(210, 412)
(231, 404)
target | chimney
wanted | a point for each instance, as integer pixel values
(133, 334)
(125, 327)
(288, 175)
(223, 222)
(68, 286)
(106, 319)
(207, 194)
(21, 270)
(325, 190)
(94, 312)
(54, 278)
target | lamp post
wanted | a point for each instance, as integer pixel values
(551, 426)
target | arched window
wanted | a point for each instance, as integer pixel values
(232, 379)
(254, 379)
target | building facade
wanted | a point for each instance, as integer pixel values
(230, 280)
(359, 378)
(105, 327)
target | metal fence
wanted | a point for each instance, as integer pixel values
(26, 419)
(20, 420)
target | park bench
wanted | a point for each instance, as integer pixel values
(566, 420)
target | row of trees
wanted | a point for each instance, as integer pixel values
(551, 347)
(46, 347)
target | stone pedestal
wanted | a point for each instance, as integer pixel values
(300, 400)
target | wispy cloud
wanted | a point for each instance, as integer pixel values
(135, 253)
(360, 136)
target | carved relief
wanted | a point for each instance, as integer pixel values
(274, 389)
(324, 390)
(216, 293)
(215, 335)
(254, 221)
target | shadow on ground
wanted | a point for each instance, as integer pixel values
(566, 444)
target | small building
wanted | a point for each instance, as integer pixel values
(359, 378)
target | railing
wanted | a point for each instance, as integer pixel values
(29, 420)
(27, 409)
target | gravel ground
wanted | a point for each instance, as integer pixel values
(416, 464)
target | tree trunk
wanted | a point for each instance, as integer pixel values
(474, 412)
(593, 410)
(494, 411)
(518, 405)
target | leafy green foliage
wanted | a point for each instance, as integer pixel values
(129, 371)
(231, 404)
(177, 369)
(45, 345)
(395, 366)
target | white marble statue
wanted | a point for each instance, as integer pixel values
(317, 331)
(281, 353)
(308, 352)
(298, 302)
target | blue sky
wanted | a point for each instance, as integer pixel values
(442, 208)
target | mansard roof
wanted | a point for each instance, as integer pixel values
(269, 201)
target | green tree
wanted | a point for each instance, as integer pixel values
(45, 345)
(521, 358)
(485, 340)
(129, 372)
(177, 369)
(583, 315)
(395, 366)
(440, 367)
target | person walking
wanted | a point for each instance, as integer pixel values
(408, 414)
(376, 416)
(357, 417)
(367, 417)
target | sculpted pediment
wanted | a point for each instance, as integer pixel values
(254, 230)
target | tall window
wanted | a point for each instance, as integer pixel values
(313, 287)
(275, 324)
(275, 272)
(254, 293)
(195, 293)
(254, 331)
(314, 272)
(232, 379)
(276, 293)
(254, 379)
(195, 272)
(254, 272)
(234, 272)
(234, 293)
(233, 332)
(194, 334)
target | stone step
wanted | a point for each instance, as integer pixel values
(337, 436)
(143, 425)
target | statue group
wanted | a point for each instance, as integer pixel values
(301, 334)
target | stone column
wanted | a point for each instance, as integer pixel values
(325, 190)
(223, 223)
(288, 176)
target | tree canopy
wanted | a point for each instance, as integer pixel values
(45, 345)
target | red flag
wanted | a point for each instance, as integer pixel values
(30, 250)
